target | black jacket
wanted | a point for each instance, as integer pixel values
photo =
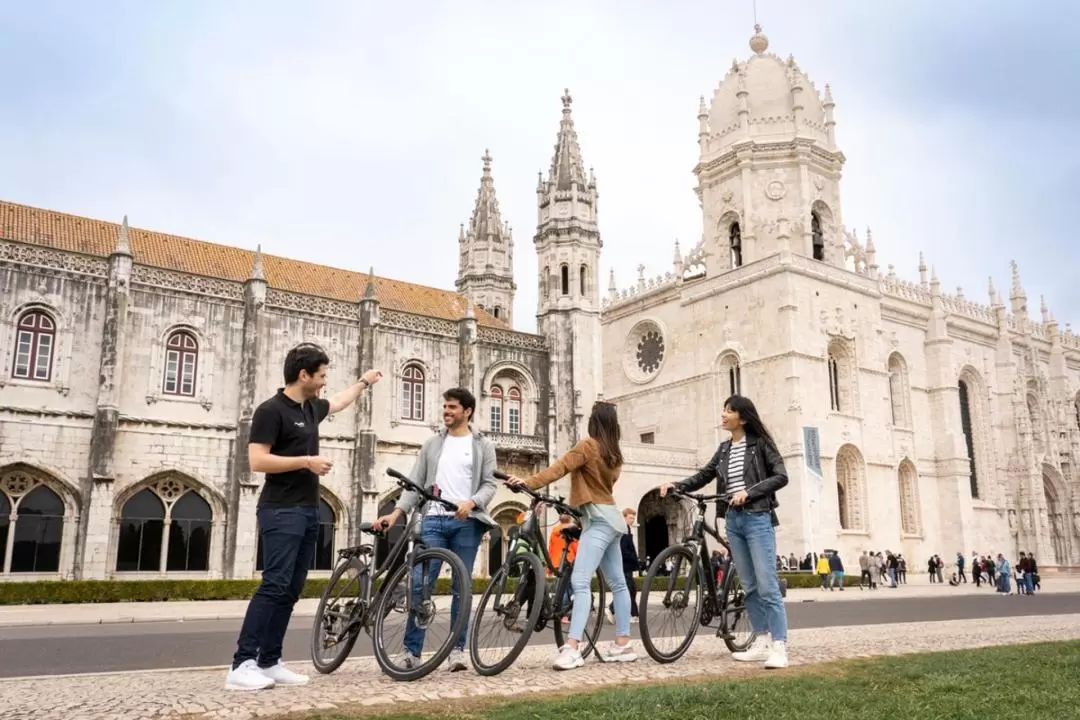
(763, 469)
(630, 561)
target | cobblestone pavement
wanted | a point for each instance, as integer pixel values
(200, 693)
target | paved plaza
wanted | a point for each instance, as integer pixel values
(198, 693)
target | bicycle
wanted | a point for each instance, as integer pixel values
(699, 585)
(380, 593)
(526, 561)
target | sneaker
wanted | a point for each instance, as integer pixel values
(777, 656)
(247, 676)
(757, 652)
(616, 653)
(282, 675)
(610, 616)
(456, 661)
(407, 661)
(568, 659)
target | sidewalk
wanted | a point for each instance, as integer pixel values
(190, 611)
(190, 694)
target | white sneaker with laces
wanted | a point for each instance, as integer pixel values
(247, 676)
(757, 652)
(456, 661)
(568, 659)
(282, 675)
(612, 652)
(777, 656)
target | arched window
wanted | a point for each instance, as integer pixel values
(497, 312)
(189, 534)
(166, 525)
(841, 498)
(817, 235)
(969, 435)
(898, 391)
(851, 490)
(565, 279)
(735, 241)
(5, 521)
(181, 361)
(39, 529)
(412, 393)
(909, 500)
(142, 526)
(35, 341)
(730, 375)
(581, 280)
(324, 543)
(834, 383)
(513, 411)
(841, 370)
(496, 409)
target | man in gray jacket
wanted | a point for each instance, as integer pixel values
(457, 465)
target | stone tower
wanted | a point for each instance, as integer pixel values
(568, 309)
(769, 169)
(486, 272)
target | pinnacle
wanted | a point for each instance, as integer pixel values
(123, 242)
(566, 165)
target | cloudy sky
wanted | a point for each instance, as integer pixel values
(350, 132)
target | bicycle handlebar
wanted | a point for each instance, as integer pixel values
(408, 484)
(697, 497)
(556, 502)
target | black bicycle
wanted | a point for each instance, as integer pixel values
(396, 594)
(696, 597)
(518, 601)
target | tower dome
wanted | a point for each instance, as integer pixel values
(767, 99)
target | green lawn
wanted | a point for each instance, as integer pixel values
(1028, 682)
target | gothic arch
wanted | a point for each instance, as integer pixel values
(186, 478)
(523, 375)
(508, 375)
(851, 489)
(53, 478)
(47, 543)
(910, 506)
(827, 219)
(1057, 514)
(661, 521)
(899, 390)
(842, 369)
(974, 416)
(724, 232)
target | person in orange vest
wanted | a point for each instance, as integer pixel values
(557, 542)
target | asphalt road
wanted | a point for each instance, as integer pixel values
(65, 649)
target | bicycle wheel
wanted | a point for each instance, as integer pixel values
(596, 615)
(507, 615)
(678, 600)
(737, 632)
(338, 609)
(398, 617)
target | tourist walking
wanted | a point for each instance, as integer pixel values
(749, 471)
(284, 444)
(836, 571)
(458, 465)
(594, 465)
(630, 565)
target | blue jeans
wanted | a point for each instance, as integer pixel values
(753, 550)
(599, 548)
(461, 537)
(288, 544)
(836, 577)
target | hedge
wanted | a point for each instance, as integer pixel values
(107, 591)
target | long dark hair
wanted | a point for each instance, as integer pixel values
(604, 429)
(749, 415)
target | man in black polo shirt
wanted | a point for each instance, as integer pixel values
(284, 444)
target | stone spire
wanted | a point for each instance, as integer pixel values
(678, 260)
(486, 220)
(922, 271)
(1018, 296)
(123, 242)
(612, 290)
(703, 124)
(257, 265)
(1044, 309)
(486, 248)
(994, 299)
(370, 292)
(566, 165)
(871, 255)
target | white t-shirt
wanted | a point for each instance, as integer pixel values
(455, 472)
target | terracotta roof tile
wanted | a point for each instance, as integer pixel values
(96, 237)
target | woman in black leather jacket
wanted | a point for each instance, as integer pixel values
(749, 470)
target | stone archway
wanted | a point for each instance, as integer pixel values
(661, 522)
(1056, 520)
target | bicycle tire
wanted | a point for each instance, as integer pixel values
(459, 577)
(540, 586)
(730, 594)
(346, 645)
(588, 643)
(643, 605)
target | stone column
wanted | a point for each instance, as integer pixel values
(366, 440)
(467, 351)
(90, 559)
(251, 356)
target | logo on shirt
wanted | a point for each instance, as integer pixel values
(299, 423)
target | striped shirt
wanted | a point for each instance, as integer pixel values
(735, 481)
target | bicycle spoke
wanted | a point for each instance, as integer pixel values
(425, 616)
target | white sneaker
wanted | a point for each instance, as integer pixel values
(247, 676)
(568, 659)
(456, 661)
(616, 653)
(282, 675)
(777, 656)
(757, 652)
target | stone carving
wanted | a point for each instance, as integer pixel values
(650, 351)
(56, 259)
(167, 279)
(775, 190)
(644, 351)
(17, 484)
(498, 336)
(418, 323)
(311, 304)
(1076, 524)
(1025, 521)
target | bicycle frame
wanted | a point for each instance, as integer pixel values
(716, 599)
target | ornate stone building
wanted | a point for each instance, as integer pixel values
(911, 419)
